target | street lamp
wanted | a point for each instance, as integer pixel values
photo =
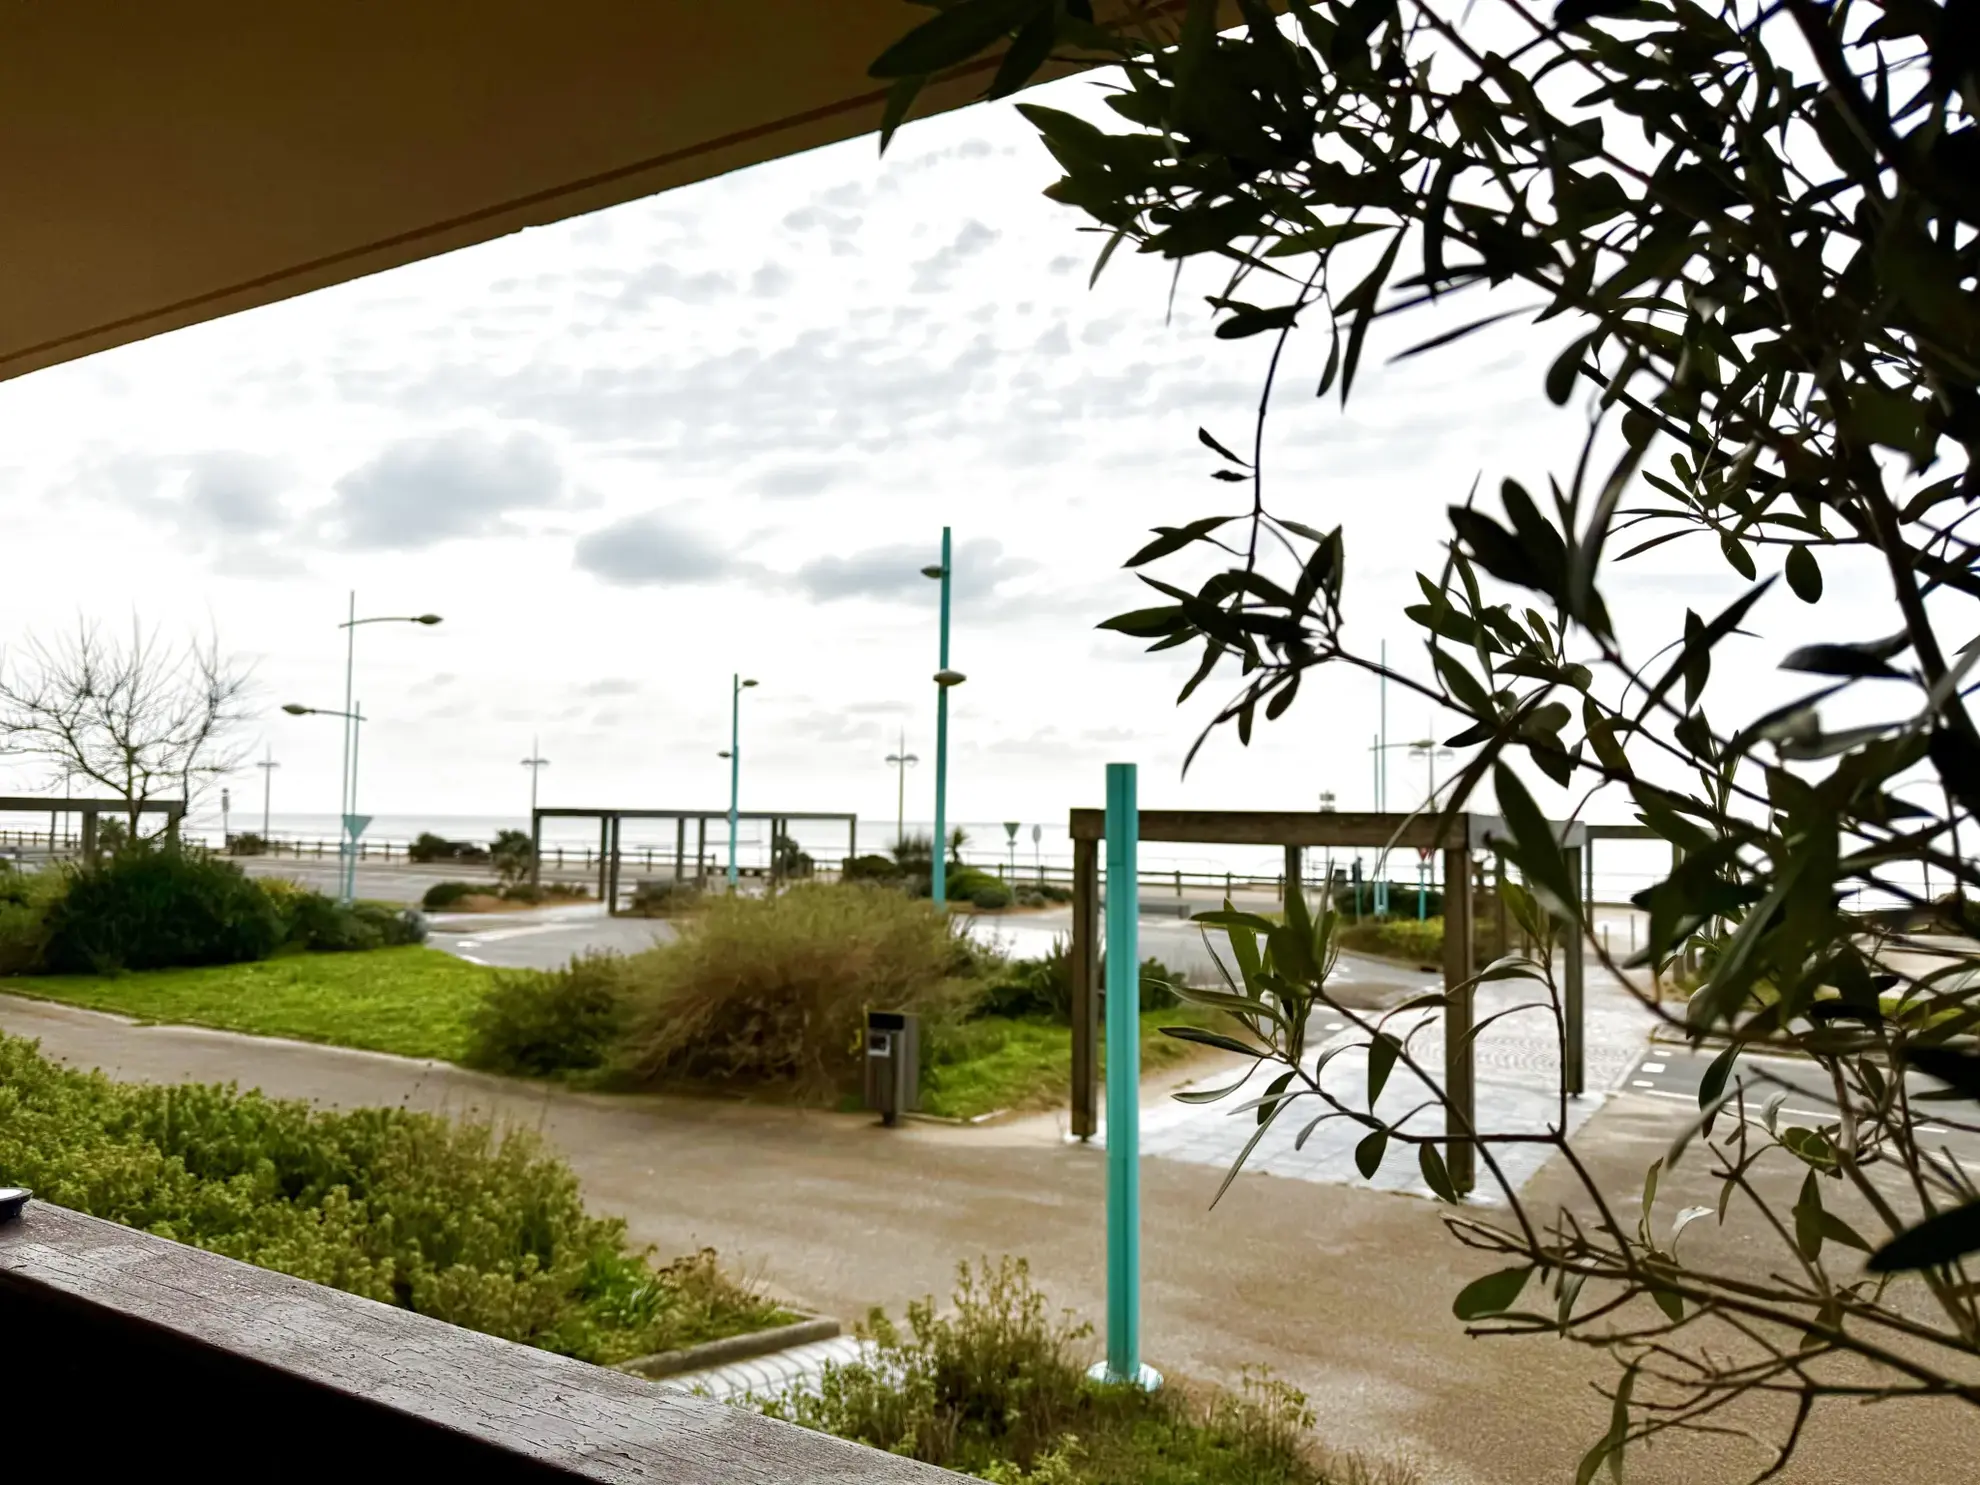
(347, 806)
(535, 765)
(737, 685)
(902, 762)
(347, 843)
(938, 874)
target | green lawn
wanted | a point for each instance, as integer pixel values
(996, 1063)
(412, 1001)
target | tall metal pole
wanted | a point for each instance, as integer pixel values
(267, 765)
(350, 858)
(1380, 889)
(346, 791)
(1123, 1363)
(939, 870)
(735, 766)
(900, 789)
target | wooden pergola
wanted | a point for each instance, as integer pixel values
(611, 823)
(1457, 840)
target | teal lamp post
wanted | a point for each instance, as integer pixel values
(347, 806)
(938, 870)
(353, 823)
(737, 685)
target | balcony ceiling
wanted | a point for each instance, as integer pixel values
(171, 163)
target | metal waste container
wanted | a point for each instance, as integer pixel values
(893, 1063)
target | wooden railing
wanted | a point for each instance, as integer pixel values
(127, 1356)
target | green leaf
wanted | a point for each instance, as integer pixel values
(1382, 1054)
(1203, 437)
(1368, 1152)
(1360, 302)
(1610, 1446)
(1171, 539)
(1431, 1162)
(1538, 852)
(900, 98)
(1213, 1039)
(1808, 1219)
(1938, 1239)
(1247, 322)
(1493, 1294)
(1566, 368)
(1027, 54)
(954, 35)
(1713, 1084)
(1804, 574)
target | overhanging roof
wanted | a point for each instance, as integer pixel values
(166, 164)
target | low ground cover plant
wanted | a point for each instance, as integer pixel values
(997, 1388)
(475, 1226)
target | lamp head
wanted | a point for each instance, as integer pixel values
(724, 754)
(427, 619)
(748, 684)
(937, 571)
(947, 678)
(296, 709)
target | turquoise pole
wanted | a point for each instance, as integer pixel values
(1123, 1362)
(938, 872)
(735, 766)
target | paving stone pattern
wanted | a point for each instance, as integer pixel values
(1517, 1079)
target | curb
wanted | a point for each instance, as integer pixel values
(711, 1354)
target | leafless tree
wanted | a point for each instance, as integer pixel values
(142, 718)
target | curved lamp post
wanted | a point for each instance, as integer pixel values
(737, 685)
(347, 804)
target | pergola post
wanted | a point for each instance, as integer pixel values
(604, 856)
(1085, 1000)
(701, 851)
(1574, 1071)
(535, 847)
(680, 847)
(1501, 919)
(88, 842)
(1292, 874)
(1460, 1093)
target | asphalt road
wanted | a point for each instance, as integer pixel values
(547, 938)
(1674, 1073)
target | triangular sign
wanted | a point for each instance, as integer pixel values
(354, 825)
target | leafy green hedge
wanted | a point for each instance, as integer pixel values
(451, 1220)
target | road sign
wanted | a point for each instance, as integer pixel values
(1010, 829)
(354, 825)
(1037, 834)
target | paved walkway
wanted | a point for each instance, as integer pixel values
(1343, 1291)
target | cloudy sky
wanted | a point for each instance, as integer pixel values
(721, 430)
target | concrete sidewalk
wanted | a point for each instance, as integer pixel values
(1344, 1291)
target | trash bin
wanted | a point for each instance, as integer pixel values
(893, 1063)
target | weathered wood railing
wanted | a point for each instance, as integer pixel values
(123, 1355)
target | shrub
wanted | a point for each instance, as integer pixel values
(154, 907)
(1043, 986)
(443, 895)
(663, 897)
(322, 925)
(513, 853)
(247, 843)
(998, 1389)
(871, 869)
(774, 990)
(991, 896)
(527, 892)
(566, 890)
(456, 1221)
(535, 1023)
(428, 847)
(26, 899)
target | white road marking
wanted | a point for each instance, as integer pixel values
(1651, 1067)
(470, 959)
(1642, 1083)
